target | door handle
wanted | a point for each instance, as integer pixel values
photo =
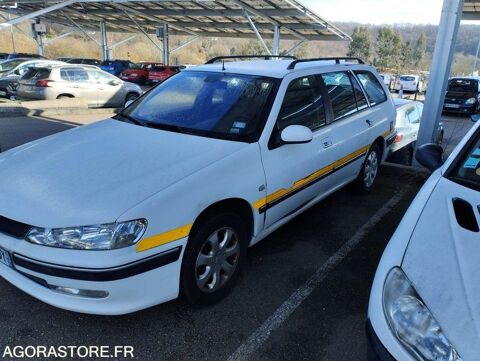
(369, 122)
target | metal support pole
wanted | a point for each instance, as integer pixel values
(440, 70)
(41, 51)
(181, 46)
(293, 48)
(74, 23)
(476, 58)
(259, 37)
(141, 30)
(166, 50)
(103, 38)
(276, 40)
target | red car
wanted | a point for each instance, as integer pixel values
(139, 74)
(161, 72)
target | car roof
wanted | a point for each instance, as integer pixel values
(274, 68)
(465, 77)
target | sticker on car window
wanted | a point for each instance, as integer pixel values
(240, 125)
(476, 152)
(471, 163)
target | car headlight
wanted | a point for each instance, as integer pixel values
(96, 237)
(470, 101)
(412, 322)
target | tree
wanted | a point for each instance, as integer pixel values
(361, 44)
(407, 56)
(388, 48)
(420, 50)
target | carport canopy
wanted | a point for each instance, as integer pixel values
(261, 19)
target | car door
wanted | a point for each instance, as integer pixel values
(413, 116)
(109, 89)
(79, 84)
(295, 173)
(350, 127)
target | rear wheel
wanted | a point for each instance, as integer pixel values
(130, 97)
(213, 259)
(368, 174)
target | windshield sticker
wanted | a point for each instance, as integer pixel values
(476, 152)
(237, 131)
(240, 125)
(471, 163)
(478, 171)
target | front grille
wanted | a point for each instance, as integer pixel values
(13, 228)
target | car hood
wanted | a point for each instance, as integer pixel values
(442, 261)
(93, 174)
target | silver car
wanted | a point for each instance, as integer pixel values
(99, 88)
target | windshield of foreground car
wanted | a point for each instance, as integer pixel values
(466, 169)
(220, 105)
(10, 65)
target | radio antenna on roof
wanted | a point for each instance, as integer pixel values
(223, 64)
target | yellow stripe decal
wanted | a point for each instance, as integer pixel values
(163, 238)
(310, 178)
(386, 134)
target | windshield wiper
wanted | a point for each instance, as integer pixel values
(130, 119)
(170, 127)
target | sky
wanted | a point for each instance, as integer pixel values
(378, 11)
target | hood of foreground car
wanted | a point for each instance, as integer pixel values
(93, 174)
(443, 262)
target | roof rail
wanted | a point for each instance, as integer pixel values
(265, 57)
(336, 59)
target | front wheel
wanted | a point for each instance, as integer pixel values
(368, 174)
(213, 259)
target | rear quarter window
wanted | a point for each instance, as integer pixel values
(372, 86)
(341, 94)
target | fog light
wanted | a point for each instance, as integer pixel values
(77, 292)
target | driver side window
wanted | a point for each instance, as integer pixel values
(302, 104)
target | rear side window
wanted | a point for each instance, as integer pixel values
(341, 94)
(302, 104)
(359, 96)
(372, 87)
(77, 75)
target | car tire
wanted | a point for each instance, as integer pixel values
(213, 259)
(130, 97)
(368, 174)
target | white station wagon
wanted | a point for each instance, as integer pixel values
(165, 198)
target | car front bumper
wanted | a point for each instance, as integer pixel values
(459, 108)
(375, 349)
(126, 288)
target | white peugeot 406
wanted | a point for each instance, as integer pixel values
(165, 198)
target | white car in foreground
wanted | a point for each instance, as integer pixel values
(166, 197)
(425, 299)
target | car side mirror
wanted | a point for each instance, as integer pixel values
(475, 118)
(114, 82)
(430, 156)
(296, 134)
(127, 104)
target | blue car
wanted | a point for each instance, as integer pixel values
(115, 67)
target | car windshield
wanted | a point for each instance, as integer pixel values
(107, 63)
(9, 65)
(219, 105)
(466, 169)
(158, 68)
(462, 85)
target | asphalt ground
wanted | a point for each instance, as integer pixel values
(337, 243)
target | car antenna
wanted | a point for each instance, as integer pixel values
(223, 64)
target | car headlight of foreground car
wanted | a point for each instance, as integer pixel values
(412, 322)
(470, 101)
(96, 237)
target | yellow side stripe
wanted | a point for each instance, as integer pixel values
(164, 238)
(386, 134)
(310, 178)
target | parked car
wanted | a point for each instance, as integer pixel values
(425, 297)
(139, 74)
(64, 59)
(99, 88)
(9, 80)
(159, 73)
(388, 80)
(182, 181)
(463, 95)
(3, 56)
(409, 83)
(84, 61)
(10, 65)
(409, 114)
(115, 67)
(25, 55)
